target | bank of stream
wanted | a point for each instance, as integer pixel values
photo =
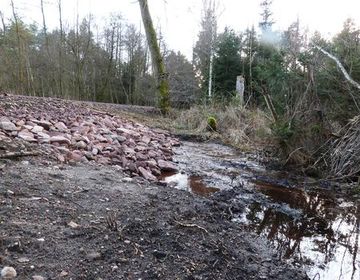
(309, 225)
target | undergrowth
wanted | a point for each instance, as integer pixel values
(234, 125)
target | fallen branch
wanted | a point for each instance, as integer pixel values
(291, 154)
(192, 225)
(342, 68)
(11, 155)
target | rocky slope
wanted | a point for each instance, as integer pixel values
(72, 132)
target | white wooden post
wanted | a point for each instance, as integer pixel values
(240, 88)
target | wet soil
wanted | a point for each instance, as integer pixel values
(314, 225)
(87, 221)
(237, 219)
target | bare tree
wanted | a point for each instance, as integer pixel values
(204, 47)
(23, 57)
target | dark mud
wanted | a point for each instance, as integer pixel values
(310, 224)
(93, 222)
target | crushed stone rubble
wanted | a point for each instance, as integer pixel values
(72, 132)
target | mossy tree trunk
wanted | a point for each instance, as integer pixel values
(157, 59)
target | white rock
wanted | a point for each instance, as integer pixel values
(73, 224)
(37, 129)
(81, 145)
(38, 277)
(27, 136)
(61, 126)
(8, 272)
(43, 137)
(63, 273)
(23, 260)
(59, 139)
(44, 124)
(8, 126)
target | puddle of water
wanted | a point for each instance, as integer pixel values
(191, 183)
(325, 237)
(313, 229)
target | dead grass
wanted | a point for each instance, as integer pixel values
(236, 126)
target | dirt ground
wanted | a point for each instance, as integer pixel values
(88, 221)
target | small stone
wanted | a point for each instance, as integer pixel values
(100, 138)
(94, 151)
(80, 145)
(167, 165)
(20, 123)
(63, 273)
(75, 155)
(59, 139)
(9, 192)
(93, 256)
(61, 126)
(8, 272)
(103, 160)
(127, 179)
(8, 126)
(60, 157)
(159, 255)
(28, 127)
(43, 137)
(89, 156)
(114, 267)
(45, 124)
(27, 136)
(38, 277)
(73, 224)
(156, 171)
(146, 139)
(37, 129)
(120, 138)
(23, 260)
(146, 174)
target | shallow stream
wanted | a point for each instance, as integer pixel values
(318, 230)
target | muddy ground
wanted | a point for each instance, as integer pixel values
(87, 221)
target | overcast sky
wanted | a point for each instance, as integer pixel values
(180, 19)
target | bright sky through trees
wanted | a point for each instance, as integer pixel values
(180, 20)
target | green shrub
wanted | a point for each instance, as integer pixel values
(212, 123)
(282, 130)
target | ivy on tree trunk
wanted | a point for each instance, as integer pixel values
(157, 59)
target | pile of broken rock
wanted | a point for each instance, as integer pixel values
(74, 132)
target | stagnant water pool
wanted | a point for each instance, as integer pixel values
(314, 229)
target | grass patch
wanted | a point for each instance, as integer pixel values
(234, 125)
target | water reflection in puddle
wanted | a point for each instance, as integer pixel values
(324, 238)
(191, 183)
(313, 229)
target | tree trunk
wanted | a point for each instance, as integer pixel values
(20, 87)
(157, 60)
(3, 23)
(269, 103)
(61, 93)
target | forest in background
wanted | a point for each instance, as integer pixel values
(307, 96)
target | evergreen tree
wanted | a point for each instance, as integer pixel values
(227, 63)
(183, 85)
(266, 21)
